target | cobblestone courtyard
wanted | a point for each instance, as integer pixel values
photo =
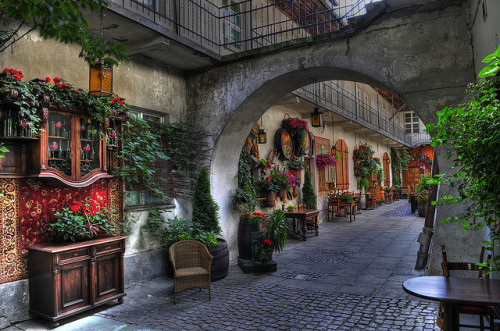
(347, 278)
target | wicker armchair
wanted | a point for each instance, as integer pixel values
(191, 262)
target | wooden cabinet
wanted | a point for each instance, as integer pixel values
(68, 278)
(69, 148)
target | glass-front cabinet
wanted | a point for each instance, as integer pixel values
(72, 149)
(68, 148)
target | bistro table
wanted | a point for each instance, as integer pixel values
(452, 292)
(302, 214)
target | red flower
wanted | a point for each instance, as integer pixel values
(267, 241)
(57, 80)
(112, 101)
(75, 208)
(78, 203)
(247, 215)
(47, 79)
(92, 213)
(93, 206)
(112, 134)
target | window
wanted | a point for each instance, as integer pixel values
(138, 195)
(232, 24)
(411, 122)
(148, 3)
(342, 165)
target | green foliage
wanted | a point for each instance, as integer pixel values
(473, 131)
(308, 194)
(423, 184)
(245, 197)
(277, 230)
(296, 164)
(140, 151)
(80, 222)
(363, 182)
(205, 209)
(182, 142)
(493, 68)
(275, 181)
(63, 21)
(62, 94)
(396, 181)
(399, 161)
(177, 229)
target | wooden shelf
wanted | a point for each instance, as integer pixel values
(84, 139)
(57, 137)
(20, 138)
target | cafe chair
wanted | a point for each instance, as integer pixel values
(333, 208)
(192, 263)
(484, 312)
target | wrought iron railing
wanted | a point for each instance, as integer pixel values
(340, 101)
(249, 24)
(419, 139)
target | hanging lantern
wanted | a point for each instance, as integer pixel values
(316, 118)
(388, 161)
(101, 79)
(334, 150)
(262, 136)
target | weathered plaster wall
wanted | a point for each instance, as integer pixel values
(144, 83)
(485, 38)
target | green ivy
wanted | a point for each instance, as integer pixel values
(245, 197)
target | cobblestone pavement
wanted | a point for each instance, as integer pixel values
(347, 278)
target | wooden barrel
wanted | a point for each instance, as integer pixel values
(220, 262)
(245, 230)
(269, 198)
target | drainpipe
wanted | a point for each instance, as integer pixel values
(424, 238)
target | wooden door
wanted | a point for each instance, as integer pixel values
(74, 289)
(342, 166)
(413, 176)
(108, 280)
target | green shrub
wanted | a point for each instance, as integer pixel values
(205, 209)
(308, 195)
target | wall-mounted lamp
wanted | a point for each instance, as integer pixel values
(316, 118)
(262, 135)
(388, 161)
(334, 150)
(101, 76)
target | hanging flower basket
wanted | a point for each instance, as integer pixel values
(323, 160)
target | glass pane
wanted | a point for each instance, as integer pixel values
(89, 147)
(59, 142)
(152, 118)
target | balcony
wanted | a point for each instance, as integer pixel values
(191, 34)
(341, 102)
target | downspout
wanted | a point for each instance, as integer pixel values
(424, 238)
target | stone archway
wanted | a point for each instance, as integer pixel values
(227, 100)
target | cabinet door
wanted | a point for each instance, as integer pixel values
(90, 148)
(108, 279)
(60, 144)
(74, 286)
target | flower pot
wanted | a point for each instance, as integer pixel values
(245, 231)
(348, 200)
(422, 207)
(220, 262)
(269, 198)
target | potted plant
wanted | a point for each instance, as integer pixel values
(323, 160)
(346, 196)
(422, 193)
(308, 194)
(83, 222)
(297, 128)
(274, 236)
(205, 212)
(290, 208)
(250, 223)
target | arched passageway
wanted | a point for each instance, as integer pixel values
(227, 100)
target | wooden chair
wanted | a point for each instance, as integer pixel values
(192, 263)
(333, 208)
(484, 312)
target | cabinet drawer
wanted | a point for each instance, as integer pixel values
(71, 255)
(108, 247)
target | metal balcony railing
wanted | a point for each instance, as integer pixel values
(342, 102)
(419, 139)
(249, 24)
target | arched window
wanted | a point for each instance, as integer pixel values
(387, 169)
(342, 170)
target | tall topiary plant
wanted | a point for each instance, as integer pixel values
(308, 195)
(205, 209)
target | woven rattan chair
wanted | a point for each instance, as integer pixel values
(191, 262)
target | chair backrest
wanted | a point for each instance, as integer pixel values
(187, 253)
(464, 266)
